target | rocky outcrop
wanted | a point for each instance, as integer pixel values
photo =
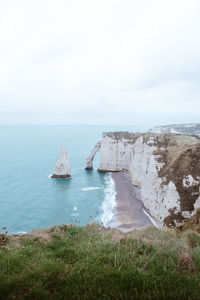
(62, 169)
(165, 166)
(193, 129)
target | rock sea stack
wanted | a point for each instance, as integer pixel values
(62, 169)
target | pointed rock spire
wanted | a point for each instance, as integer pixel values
(62, 169)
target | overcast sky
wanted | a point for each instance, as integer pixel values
(99, 61)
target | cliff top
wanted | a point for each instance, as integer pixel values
(118, 135)
(157, 137)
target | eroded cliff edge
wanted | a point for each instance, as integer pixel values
(165, 166)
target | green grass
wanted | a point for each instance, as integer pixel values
(96, 263)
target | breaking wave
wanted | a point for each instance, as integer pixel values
(109, 202)
(91, 188)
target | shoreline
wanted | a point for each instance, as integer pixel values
(129, 213)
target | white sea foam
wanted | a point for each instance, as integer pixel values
(109, 202)
(67, 178)
(90, 188)
(75, 214)
(75, 208)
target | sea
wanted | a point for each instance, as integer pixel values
(30, 199)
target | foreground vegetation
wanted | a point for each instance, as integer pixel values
(69, 262)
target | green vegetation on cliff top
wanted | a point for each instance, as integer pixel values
(69, 262)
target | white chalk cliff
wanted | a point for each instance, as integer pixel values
(62, 169)
(165, 166)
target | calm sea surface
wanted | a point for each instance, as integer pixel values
(30, 199)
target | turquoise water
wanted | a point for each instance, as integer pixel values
(29, 198)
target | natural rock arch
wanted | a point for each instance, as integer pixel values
(89, 160)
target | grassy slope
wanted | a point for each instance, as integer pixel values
(91, 262)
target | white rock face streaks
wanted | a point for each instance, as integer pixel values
(89, 160)
(114, 154)
(62, 169)
(190, 181)
(169, 192)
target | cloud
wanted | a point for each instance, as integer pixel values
(102, 62)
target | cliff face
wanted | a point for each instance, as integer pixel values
(115, 152)
(166, 166)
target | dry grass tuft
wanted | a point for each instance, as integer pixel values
(186, 261)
